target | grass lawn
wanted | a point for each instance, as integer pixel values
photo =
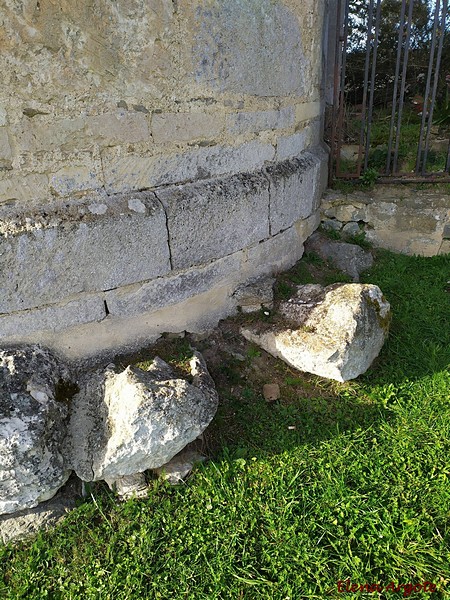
(333, 482)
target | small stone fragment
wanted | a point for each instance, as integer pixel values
(349, 258)
(271, 392)
(255, 294)
(179, 467)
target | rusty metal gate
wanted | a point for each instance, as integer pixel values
(390, 118)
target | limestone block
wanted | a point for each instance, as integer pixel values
(305, 227)
(83, 253)
(74, 179)
(444, 247)
(248, 122)
(275, 254)
(135, 172)
(28, 187)
(52, 318)
(174, 288)
(125, 423)
(32, 428)
(332, 225)
(118, 128)
(293, 191)
(405, 242)
(349, 212)
(185, 127)
(335, 332)
(5, 149)
(208, 220)
(293, 145)
(252, 47)
(40, 134)
(307, 111)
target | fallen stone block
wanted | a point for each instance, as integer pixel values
(32, 428)
(125, 423)
(348, 258)
(335, 332)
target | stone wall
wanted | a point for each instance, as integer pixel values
(153, 156)
(401, 218)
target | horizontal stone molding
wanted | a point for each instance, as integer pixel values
(94, 251)
(98, 265)
(53, 318)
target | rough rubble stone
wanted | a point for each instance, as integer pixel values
(349, 258)
(255, 294)
(335, 332)
(32, 428)
(26, 523)
(123, 424)
(179, 467)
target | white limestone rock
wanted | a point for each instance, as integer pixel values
(125, 423)
(335, 332)
(32, 428)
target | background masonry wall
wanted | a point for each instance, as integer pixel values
(154, 155)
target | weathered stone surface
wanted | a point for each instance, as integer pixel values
(351, 229)
(24, 187)
(349, 258)
(294, 193)
(125, 172)
(123, 424)
(27, 523)
(307, 111)
(82, 253)
(129, 486)
(174, 288)
(248, 122)
(5, 149)
(234, 210)
(184, 127)
(179, 467)
(335, 332)
(255, 294)
(32, 428)
(267, 61)
(52, 318)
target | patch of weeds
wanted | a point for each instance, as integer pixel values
(283, 290)
(253, 352)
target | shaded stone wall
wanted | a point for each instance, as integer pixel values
(401, 218)
(153, 156)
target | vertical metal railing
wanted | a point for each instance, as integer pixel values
(393, 164)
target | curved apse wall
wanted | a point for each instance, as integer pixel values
(154, 155)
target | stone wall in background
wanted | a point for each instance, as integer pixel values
(402, 218)
(154, 155)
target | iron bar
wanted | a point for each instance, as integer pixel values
(403, 85)
(337, 63)
(340, 125)
(427, 88)
(372, 81)
(435, 83)
(396, 78)
(366, 82)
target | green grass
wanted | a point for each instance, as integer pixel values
(334, 481)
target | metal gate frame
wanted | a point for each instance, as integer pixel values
(391, 173)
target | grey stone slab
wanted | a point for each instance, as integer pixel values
(135, 172)
(85, 253)
(252, 47)
(293, 190)
(211, 219)
(52, 318)
(166, 291)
